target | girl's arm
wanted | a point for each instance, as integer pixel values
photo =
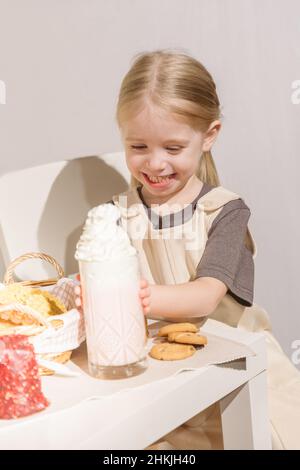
(174, 302)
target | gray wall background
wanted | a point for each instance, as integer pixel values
(63, 60)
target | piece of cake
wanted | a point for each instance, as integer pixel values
(20, 383)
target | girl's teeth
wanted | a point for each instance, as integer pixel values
(158, 179)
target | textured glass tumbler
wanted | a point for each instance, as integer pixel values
(114, 320)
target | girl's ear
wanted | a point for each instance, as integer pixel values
(211, 135)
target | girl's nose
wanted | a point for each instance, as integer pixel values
(156, 162)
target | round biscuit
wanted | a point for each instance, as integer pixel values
(171, 351)
(187, 338)
(176, 327)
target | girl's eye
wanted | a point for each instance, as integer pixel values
(171, 149)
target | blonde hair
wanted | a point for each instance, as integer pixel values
(179, 84)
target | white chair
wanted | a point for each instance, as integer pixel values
(43, 208)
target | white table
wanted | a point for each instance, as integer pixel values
(137, 417)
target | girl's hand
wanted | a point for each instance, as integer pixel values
(144, 294)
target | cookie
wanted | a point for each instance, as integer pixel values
(57, 324)
(9, 328)
(39, 300)
(175, 327)
(171, 351)
(187, 338)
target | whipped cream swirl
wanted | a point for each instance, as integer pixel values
(102, 237)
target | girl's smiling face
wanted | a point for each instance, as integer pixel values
(162, 152)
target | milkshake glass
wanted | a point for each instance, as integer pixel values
(114, 319)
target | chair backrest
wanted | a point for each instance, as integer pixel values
(43, 209)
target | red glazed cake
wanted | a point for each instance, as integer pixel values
(20, 383)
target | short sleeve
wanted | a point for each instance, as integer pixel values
(226, 256)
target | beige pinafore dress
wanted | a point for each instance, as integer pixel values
(170, 256)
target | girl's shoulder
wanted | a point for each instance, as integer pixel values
(215, 197)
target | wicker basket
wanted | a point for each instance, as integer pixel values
(9, 279)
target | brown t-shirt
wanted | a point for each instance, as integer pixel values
(226, 256)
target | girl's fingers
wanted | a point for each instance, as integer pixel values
(146, 302)
(77, 290)
(143, 283)
(144, 293)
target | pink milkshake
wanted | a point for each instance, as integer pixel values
(109, 272)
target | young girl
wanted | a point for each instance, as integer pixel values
(196, 252)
